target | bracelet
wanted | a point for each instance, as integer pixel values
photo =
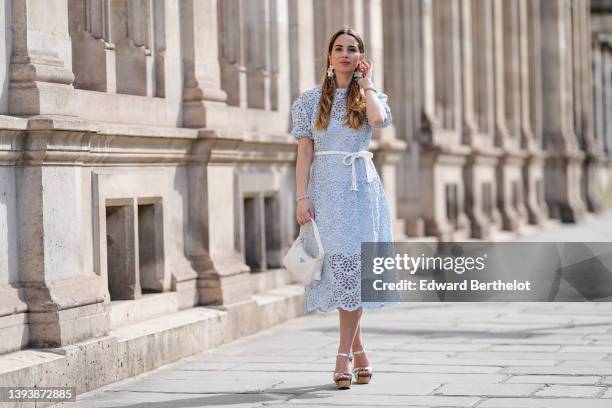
(371, 88)
(302, 197)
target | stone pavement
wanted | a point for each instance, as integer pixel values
(431, 355)
(482, 355)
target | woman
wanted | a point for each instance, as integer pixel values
(341, 191)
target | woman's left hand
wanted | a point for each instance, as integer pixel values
(365, 67)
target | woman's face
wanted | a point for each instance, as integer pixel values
(345, 54)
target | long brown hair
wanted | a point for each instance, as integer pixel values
(355, 98)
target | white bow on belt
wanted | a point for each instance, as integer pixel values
(349, 160)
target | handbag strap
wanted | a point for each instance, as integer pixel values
(315, 231)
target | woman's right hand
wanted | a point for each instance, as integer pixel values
(304, 211)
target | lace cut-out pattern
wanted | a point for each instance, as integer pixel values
(345, 218)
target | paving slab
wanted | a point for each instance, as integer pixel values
(560, 356)
(525, 348)
(565, 370)
(489, 390)
(553, 379)
(377, 400)
(544, 403)
(574, 391)
(481, 355)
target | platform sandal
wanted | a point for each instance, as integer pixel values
(362, 375)
(343, 379)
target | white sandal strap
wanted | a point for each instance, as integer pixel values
(337, 375)
(349, 374)
(363, 350)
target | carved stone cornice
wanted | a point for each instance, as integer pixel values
(388, 151)
(12, 132)
(56, 140)
(228, 146)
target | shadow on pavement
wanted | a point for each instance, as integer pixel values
(231, 398)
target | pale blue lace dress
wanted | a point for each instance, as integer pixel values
(345, 218)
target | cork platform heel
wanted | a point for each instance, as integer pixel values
(362, 375)
(343, 379)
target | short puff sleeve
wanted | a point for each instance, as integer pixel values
(383, 100)
(301, 119)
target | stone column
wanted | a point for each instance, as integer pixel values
(92, 44)
(482, 70)
(321, 34)
(373, 38)
(132, 33)
(302, 51)
(66, 298)
(473, 202)
(203, 99)
(501, 128)
(232, 51)
(447, 59)
(331, 16)
(511, 70)
(563, 167)
(223, 277)
(257, 38)
(469, 126)
(607, 85)
(403, 72)
(607, 56)
(599, 90)
(358, 13)
(430, 120)
(13, 307)
(525, 33)
(388, 149)
(157, 25)
(41, 63)
(280, 65)
(592, 167)
(531, 112)
(478, 118)
(197, 237)
(532, 46)
(508, 115)
(441, 154)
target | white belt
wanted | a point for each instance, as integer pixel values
(349, 160)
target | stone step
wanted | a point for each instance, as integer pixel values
(140, 347)
(149, 306)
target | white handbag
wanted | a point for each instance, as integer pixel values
(305, 268)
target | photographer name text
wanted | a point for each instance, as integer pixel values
(471, 284)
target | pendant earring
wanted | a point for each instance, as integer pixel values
(357, 75)
(330, 71)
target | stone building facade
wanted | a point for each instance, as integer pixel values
(146, 164)
(601, 42)
(496, 107)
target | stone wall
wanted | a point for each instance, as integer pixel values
(601, 40)
(497, 111)
(145, 148)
